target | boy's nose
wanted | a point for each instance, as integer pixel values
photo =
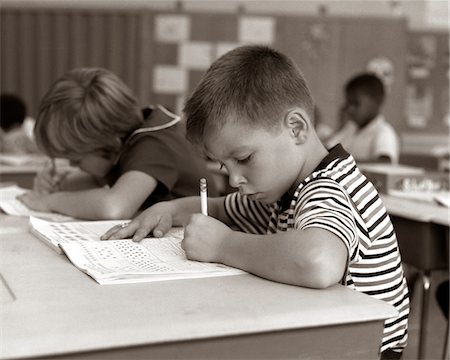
(236, 180)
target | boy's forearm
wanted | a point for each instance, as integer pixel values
(282, 258)
(86, 204)
(185, 207)
(79, 180)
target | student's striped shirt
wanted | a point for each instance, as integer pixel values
(339, 198)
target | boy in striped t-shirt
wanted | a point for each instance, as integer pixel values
(303, 215)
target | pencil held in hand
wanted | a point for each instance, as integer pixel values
(204, 196)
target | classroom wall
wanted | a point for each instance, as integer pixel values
(40, 42)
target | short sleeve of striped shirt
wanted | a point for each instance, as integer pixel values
(324, 204)
(248, 216)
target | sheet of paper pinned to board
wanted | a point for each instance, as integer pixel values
(223, 47)
(195, 55)
(169, 79)
(256, 29)
(172, 28)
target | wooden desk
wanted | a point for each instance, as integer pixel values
(22, 175)
(21, 169)
(423, 234)
(56, 310)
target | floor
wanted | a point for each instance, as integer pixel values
(436, 327)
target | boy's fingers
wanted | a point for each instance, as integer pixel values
(121, 231)
(163, 226)
(141, 233)
(107, 235)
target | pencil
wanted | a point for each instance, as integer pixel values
(204, 196)
(53, 169)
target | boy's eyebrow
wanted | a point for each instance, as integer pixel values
(231, 154)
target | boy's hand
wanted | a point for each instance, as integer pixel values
(156, 219)
(47, 182)
(36, 201)
(203, 238)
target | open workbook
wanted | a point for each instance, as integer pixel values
(123, 261)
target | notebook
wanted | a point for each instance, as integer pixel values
(124, 261)
(11, 206)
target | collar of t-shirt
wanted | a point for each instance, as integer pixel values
(371, 125)
(155, 118)
(336, 152)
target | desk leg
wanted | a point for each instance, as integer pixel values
(446, 354)
(426, 283)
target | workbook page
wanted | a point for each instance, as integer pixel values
(152, 259)
(125, 261)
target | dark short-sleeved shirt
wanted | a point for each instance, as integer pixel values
(164, 154)
(337, 197)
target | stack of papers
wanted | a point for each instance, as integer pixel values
(124, 261)
(12, 206)
(440, 197)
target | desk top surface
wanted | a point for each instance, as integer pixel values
(417, 210)
(46, 301)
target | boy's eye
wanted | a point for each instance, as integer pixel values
(244, 160)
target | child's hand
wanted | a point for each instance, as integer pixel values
(203, 237)
(47, 182)
(156, 219)
(35, 201)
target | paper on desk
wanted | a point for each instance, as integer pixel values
(440, 197)
(125, 261)
(23, 159)
(11, 206)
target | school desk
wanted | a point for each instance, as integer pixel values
(22, 175)
(422, 230)
(22, 169)
(50, 308)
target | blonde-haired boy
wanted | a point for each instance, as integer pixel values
(130, 158)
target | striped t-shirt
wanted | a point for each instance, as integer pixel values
(338, 198)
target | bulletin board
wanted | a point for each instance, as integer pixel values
(328, 50)
(427, 91)
(163, 55)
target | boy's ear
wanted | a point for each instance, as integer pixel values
(298, 124)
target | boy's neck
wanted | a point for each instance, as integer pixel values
(367, 123)
(317, 153)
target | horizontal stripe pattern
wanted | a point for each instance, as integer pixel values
(337, 197)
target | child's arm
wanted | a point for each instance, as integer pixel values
(49, 180)
(118, 202)
(159, 218)
(313, 257)
(79, 180)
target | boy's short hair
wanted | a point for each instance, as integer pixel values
(367, 83)
(252, 85)
(12, 111)
(87, 110)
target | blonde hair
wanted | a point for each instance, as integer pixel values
(86, 110)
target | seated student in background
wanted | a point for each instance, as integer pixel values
(15, 137)
(130, 158)
(302, 215)
(366, 134)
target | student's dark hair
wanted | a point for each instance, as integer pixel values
(12, 111)
(251, 85)
(367, 83)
